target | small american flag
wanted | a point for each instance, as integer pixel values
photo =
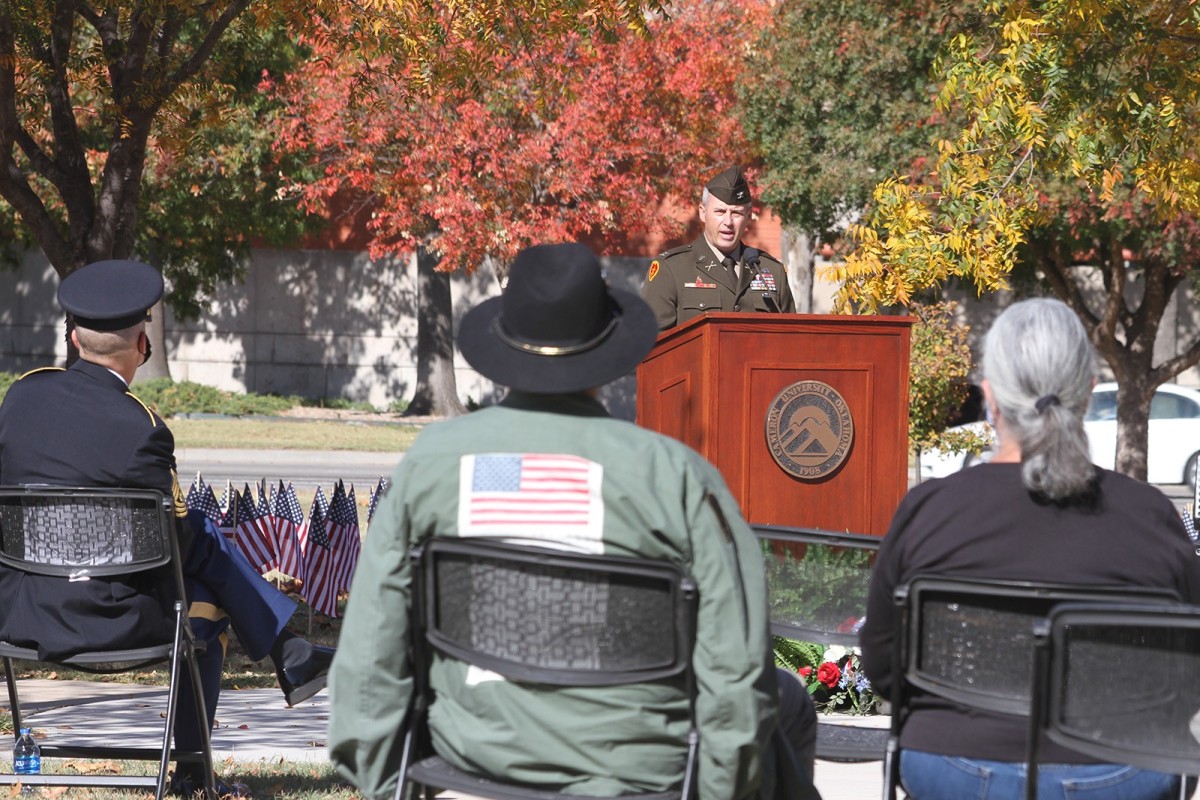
(375, 497)
(265, 506)
(549, 497)
(289, 518)
(253, 538)
(320, 589)
(193, 493)
(228, 521)
(204, 501)
(345, 538)
(318, 518)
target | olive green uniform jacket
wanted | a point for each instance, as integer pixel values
(659, 500)
(685, 282)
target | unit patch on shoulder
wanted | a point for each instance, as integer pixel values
(653, 271)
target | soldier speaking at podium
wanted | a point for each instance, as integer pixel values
(717, 272)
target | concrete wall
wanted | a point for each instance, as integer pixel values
(314, 323)
(328, 323)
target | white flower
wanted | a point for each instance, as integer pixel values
(835, 652)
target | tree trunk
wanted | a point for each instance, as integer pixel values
(1134, 392)
(436, 391)
(799, 258)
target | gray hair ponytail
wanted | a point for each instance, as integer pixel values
(1038, 362)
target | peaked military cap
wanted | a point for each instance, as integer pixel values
(110, 295)
(730, 187)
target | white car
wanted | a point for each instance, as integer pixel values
(937, 464)
(1174, 444)
(1174, 431)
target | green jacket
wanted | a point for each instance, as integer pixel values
(660, 500)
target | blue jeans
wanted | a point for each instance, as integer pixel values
(927, 776)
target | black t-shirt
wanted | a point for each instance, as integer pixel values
(983, 523)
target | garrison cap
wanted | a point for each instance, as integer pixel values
(110, 295)
(730, 187)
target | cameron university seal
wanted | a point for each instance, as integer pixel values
(809, 429)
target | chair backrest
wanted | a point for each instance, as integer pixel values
(817, 582)
(555, 616)
(1121, 683)
(971, 641)
(84, 532)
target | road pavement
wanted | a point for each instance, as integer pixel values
(310, 468)
(306, 469)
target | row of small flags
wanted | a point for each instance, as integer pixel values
(319, 550)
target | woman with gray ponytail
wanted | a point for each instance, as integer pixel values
(1039, 511)
(1037, 367)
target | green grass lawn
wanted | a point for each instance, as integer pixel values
(293, 435)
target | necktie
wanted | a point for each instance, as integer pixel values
(731, 265)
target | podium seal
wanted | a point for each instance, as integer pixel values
(809, 430)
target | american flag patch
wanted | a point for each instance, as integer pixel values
(550, 499)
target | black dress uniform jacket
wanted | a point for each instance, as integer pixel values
(81, 427)
(687, 281)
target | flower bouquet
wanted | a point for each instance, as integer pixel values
(832, 675)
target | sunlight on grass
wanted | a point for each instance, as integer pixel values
(288, 435)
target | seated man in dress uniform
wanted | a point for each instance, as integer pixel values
(717, 272)
(83, 427)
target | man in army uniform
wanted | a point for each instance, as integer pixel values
(83, 427)
(717, 272)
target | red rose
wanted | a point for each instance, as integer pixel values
(828, 674)
(805, 671)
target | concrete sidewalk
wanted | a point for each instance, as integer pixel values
(254, 724)
(251, 724)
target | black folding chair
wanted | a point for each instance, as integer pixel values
(531, 615)
(1120, 683)
(79, 533)
(817, 584)
(972, 642)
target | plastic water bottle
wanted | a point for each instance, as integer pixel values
(27, 757)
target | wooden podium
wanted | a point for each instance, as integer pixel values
(805, 415)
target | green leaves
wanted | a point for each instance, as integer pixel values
(1093, 90)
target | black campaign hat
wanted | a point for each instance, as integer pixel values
(557, 328)
(730, 187)
(110, 295)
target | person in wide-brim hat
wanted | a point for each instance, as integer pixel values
(547, 468)
(557, 328)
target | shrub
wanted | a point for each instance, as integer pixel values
(171, 399)
(939, 367)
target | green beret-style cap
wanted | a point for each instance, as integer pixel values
(730, 187)
(110, 295)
